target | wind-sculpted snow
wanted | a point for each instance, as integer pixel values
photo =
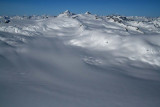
(81, 60)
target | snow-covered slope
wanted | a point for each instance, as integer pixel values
(79, 60)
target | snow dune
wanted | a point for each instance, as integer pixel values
(79, 60)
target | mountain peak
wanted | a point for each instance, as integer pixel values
(87, 13)
(67, 11)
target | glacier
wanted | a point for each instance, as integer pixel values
(79, 60)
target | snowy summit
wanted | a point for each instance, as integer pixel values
(87, 13)
(66, 13)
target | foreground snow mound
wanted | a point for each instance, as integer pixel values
(81, 60)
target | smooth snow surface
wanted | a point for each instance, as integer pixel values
(81, 60)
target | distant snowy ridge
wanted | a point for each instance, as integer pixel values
(130, 25)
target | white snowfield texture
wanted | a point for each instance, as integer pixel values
(79, 60)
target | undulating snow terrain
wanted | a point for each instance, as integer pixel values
(79, 60)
